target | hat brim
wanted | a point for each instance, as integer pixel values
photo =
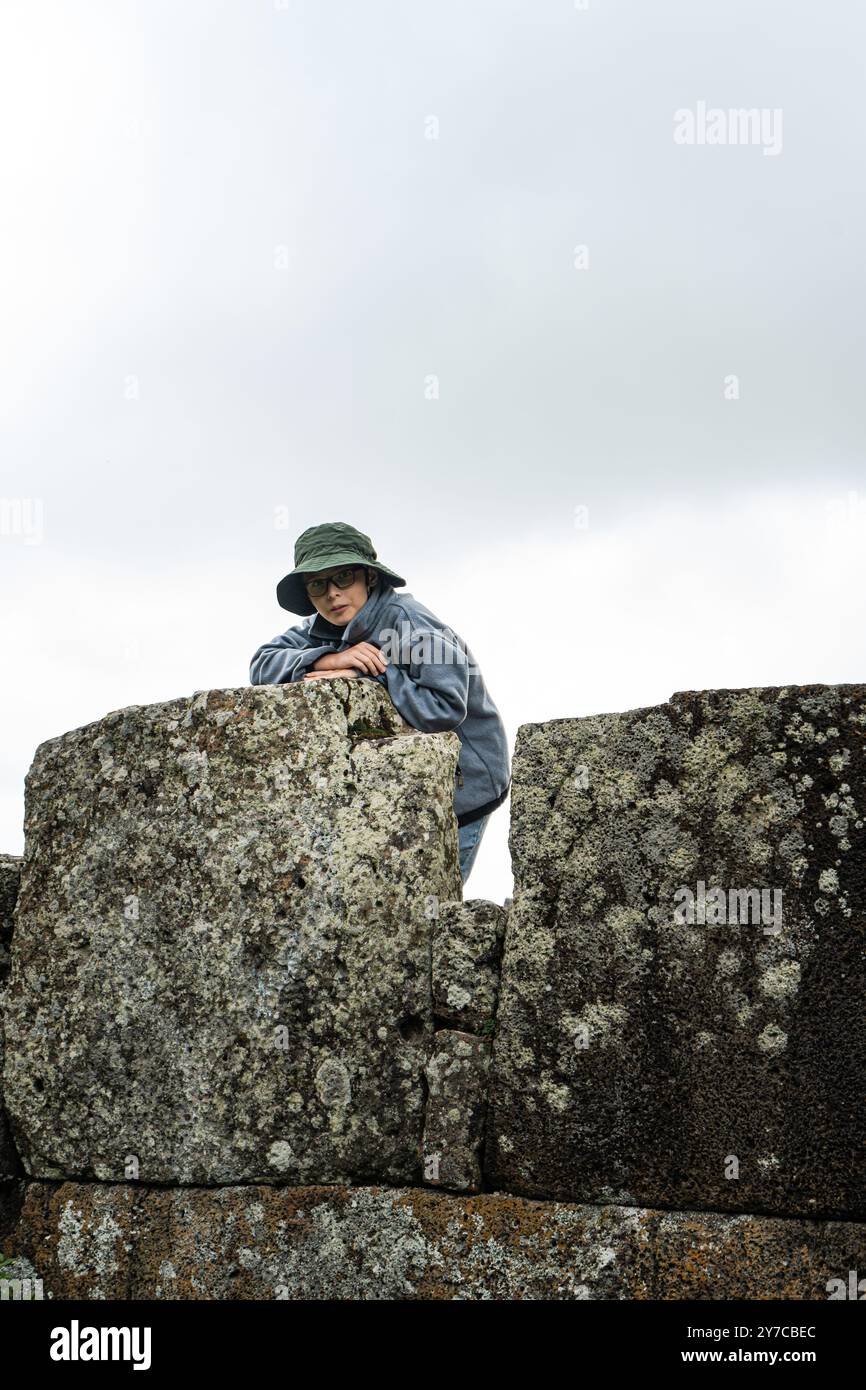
(292, 595)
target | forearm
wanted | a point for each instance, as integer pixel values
(275, 665)
(327, 662)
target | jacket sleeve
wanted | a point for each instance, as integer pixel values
(285, 658)
(429, 684)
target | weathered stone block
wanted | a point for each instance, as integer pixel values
(220, 968)
(10, 876)
(646, 1060)
(467, 954)
(457, 1101)
(97, 1241)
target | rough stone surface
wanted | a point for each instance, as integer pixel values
(20, 1280)
(10, 876)
(467, 954)
(642, 1061)
(239, 933)
(221, 959)
(456, 1104)
(99, 1241)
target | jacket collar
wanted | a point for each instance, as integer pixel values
(359, 628)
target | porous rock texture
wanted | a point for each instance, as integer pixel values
(467, 955)
(221, 957)
(100, 1241)
(10, 875)
(649, 1062)
(240, 958)
(456, 1075)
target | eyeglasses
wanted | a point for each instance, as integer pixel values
(343, 578)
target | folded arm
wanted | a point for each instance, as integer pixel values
(285, 658)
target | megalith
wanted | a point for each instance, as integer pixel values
(220, 970)
(681, 1020)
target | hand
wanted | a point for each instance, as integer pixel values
(339, 672)
(367, 658)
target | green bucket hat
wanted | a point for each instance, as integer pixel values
(320, 547)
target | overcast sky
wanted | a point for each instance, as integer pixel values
(456, 274)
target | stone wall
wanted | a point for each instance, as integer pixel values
(257, 1045)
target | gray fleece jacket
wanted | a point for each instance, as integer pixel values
(431, 677)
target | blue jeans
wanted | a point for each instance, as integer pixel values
(468, 840)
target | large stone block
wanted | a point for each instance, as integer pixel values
(10, 876)
(100, 1241)
(221, 962)
(645, 1059)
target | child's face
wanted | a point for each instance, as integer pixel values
(339, 606)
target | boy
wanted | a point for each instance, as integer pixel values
(363, 627)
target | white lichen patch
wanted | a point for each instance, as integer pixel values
(603, 1023)
(521, 1057)
(828, 881)
(281, 1155)
(800, 730)
(70, 1227)
(557, 1096)
(782, 980)
(773, 1039)
(458, 997)
(89, 1245)
(195, 765)
(703, 761)
(733, 785)
(760, 852)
